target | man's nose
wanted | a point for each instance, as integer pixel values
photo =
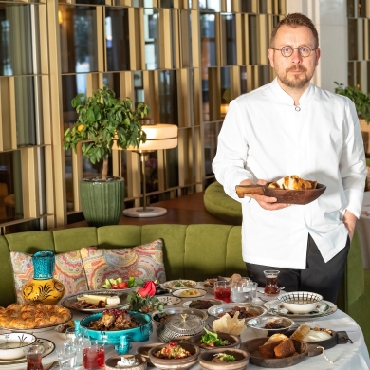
(296, 57)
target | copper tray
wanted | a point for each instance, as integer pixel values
(282, 196)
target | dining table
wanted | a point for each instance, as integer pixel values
(363, 227)
(345, 356)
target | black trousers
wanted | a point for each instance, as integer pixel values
(318, 276)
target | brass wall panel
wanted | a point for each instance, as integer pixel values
(203, 58)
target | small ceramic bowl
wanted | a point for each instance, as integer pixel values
(241, 359)
(112, 363)
(12, 345)
(232, 339)
(144, 350)
(182, 364)
(257, 325)
(300, 302)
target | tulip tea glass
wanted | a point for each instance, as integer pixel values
(67, 357)
(272, 287)
(222, 291)
(93, 356)
(34, 357)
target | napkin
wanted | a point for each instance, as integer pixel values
(345, 324)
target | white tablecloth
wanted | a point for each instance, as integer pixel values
(363, 227)
(345, 356)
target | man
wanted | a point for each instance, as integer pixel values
(292, 127)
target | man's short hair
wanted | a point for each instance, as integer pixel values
(296, 20)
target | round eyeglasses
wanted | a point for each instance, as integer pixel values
(287, 51)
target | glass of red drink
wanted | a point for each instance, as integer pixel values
(272, 287)
(34, 356)
(93, 356)
(222, 291)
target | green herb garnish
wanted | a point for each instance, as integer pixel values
(211, 339)
(133, 281)
(223, 357)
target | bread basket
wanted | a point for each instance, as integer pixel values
(179, 325)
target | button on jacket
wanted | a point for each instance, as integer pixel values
(265, 136)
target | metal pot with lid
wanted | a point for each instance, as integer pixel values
(180, 325)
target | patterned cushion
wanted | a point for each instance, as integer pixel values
(144, 261)
(68, 269)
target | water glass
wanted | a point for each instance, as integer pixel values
(67, 357)
(272, 287)
(222, 291)
(77, 343)
(254, 287)
(241, 292)
(93, 356)
(70, 333)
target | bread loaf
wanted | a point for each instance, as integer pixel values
(267, 349)
(284, 349)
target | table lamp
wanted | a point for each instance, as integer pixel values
(158, 137)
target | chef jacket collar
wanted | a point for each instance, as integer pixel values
(284, 97)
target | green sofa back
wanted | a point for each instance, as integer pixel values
(190, 251)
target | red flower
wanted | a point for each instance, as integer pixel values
(149, 288)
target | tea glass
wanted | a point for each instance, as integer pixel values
(34, 354)
(67, 357)
(93, 356)
(272, 287)
(222, 291)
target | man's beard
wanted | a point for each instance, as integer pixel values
(296, 82)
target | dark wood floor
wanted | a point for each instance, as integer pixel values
(185, 210)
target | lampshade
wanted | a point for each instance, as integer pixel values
(158, 136)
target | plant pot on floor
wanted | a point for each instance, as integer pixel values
(102, 201)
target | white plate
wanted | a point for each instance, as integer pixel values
(70, 300)
(168, 300)
(265, 297)
(179, 284)
(21, 362)
(182, 293)
(224, 308)
(213, 301)
(323, 308)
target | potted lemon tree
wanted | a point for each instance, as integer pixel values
(102, 120)
(362, 103)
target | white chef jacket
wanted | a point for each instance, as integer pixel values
(265, 136)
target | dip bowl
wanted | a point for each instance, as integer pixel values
(258, 325)
(241, 359)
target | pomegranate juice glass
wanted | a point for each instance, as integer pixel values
(272, 282)
(93, 356)
(222, 291)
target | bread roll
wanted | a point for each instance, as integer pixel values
(277, 338)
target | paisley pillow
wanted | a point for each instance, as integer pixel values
(68, 269)
(144, 261)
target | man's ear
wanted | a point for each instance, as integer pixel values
(270, 55)
(318, 55)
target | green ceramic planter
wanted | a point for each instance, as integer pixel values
(102, 201)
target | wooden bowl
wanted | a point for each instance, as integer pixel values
(111, 363)
(241, 359)
(252, 346)
(232, 339)
(282, 196)
(184, 363)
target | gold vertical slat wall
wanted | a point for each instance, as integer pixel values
(201, 87)
(358, 14)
